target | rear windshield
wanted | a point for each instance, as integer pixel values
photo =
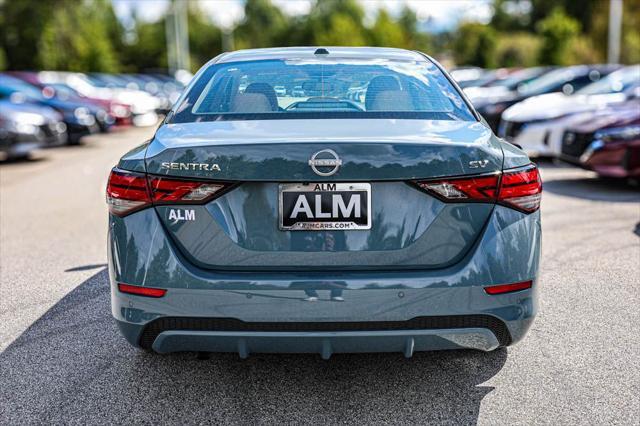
(322, 88)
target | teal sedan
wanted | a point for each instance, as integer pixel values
(323, 200)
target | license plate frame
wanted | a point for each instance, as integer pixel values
(326, 224)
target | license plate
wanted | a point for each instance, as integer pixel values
(325, 206)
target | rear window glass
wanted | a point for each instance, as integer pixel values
(322, 88)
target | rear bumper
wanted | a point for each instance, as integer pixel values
(507, 252)
(326, 343)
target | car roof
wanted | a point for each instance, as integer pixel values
(309, 52)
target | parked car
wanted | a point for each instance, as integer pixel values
(468, 76)
(141, 104)
(566, 80)
(61, 93)
(607, 142)
(79, 117)
(485, 97)
(114, 113)
(25, 127)
(538, 123)
(252, 223)
(131, 82)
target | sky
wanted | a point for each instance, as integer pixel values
(441, 15)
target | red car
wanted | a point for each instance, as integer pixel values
(608, 142)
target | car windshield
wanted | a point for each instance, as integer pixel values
(618, 81)
(322, 88)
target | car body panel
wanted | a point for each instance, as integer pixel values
(369, 296)
(372, 149)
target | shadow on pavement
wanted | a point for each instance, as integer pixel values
(86, 267)
(72, 366)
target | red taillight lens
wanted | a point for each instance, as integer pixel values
(480, 188)
(508, 288)
(520, 189)
(169, 190)
(142, 291)
(128, 192)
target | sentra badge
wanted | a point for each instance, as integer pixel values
(200, 167)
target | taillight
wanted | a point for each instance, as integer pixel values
(128, 192)
(169, 190)
(520, 189)
(479, 188)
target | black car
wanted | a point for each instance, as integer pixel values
(25, 127)
(566, 80)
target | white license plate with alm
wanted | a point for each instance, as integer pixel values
(325, 206)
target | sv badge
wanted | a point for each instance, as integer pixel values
(478, 164)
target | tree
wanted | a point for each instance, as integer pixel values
(148, 49)
(414, 38)
(558, 32)
(205, 38)
(336, 23)
(387, 32)
(475, 44)
(264, 25)
(519, 49)
(19, 40)
(76, 39)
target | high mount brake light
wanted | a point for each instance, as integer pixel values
(518, 188)
(128, 192)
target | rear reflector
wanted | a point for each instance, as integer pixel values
(520, 188)
(508, 288)
(141, 291)
(128, 192)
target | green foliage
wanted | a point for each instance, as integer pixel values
(21, 24)
(148, 50)
(386, 32)
(205, 39)
(519, 49)
(558, 31)
(3, 60)
(336, 23)
(475, 44)
(86, 35)
(630, 46)
(413, 38)
(264, 25)
(341, 31)
(76, 39)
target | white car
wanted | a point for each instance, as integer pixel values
(538, 123)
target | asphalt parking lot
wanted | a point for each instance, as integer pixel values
(63, 361)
